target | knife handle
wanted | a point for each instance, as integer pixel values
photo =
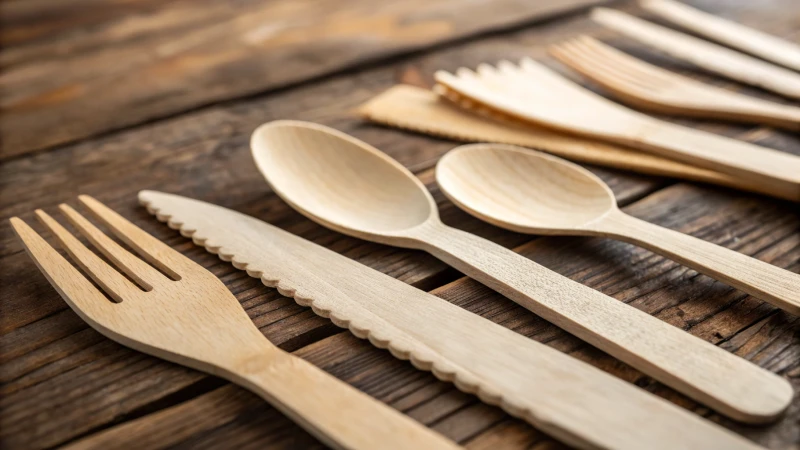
(702, 371)
(337, 414)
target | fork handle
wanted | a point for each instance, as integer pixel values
(778, 172)
(337, 414)
(759, 279)
(752, 109)
(705, 372)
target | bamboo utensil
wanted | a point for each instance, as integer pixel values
(704, 54)
(650, 87)
(175, 309)
(531, 92)
(560, 395)
(348, 186)
(530, 192)
(729, 33)
(422, 111)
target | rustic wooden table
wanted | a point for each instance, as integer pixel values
(109, 97)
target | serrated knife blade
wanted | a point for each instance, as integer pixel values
(562, 396)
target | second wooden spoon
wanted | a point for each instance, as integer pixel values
(532, 192)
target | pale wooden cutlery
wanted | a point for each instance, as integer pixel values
(175, 309)
(423, 111)
(562, 396)
(532, 92)
(531, 192)
(730, 33)
(653, 88)
(349, 186)
(712, 57)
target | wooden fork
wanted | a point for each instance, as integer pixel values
(175, 309)
(734, 34)
(533, 93)
(653, 88)
(706, 55)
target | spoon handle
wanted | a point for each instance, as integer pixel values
(759, 279)
(709, 374)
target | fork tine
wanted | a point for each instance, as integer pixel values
(79, 293)
(625, 62)
(575, 55)
(111, 281)
(138, 270)
(149, 248)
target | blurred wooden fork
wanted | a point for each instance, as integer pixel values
(533, 93)
(653, 88)
(183, 313)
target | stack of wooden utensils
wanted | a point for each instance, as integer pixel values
(164, 304)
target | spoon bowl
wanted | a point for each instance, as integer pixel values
(522, 190)
(340, 182)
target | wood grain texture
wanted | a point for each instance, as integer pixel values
(532, 92)
(61, 380)
(174, 56)
(652, 88)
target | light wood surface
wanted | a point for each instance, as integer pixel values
(423, 111)
(530, 192)
(652, 88)
(349, 186)
(183, 313)
(730, 33)
(532, 92)
(564, 397)
(60, 380)
(709, 56)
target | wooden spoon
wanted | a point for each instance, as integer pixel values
(349, 186)
(532, 192)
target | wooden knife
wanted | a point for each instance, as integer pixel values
(562, 396)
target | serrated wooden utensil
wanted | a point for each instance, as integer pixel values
(652, 88)
(532, 92)
(530, 192)
(730, 33)
(183, 313)
(560, 395)
(351, 187)
(709, 56)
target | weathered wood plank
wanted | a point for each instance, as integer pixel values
(96, 66)
(705, 308)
